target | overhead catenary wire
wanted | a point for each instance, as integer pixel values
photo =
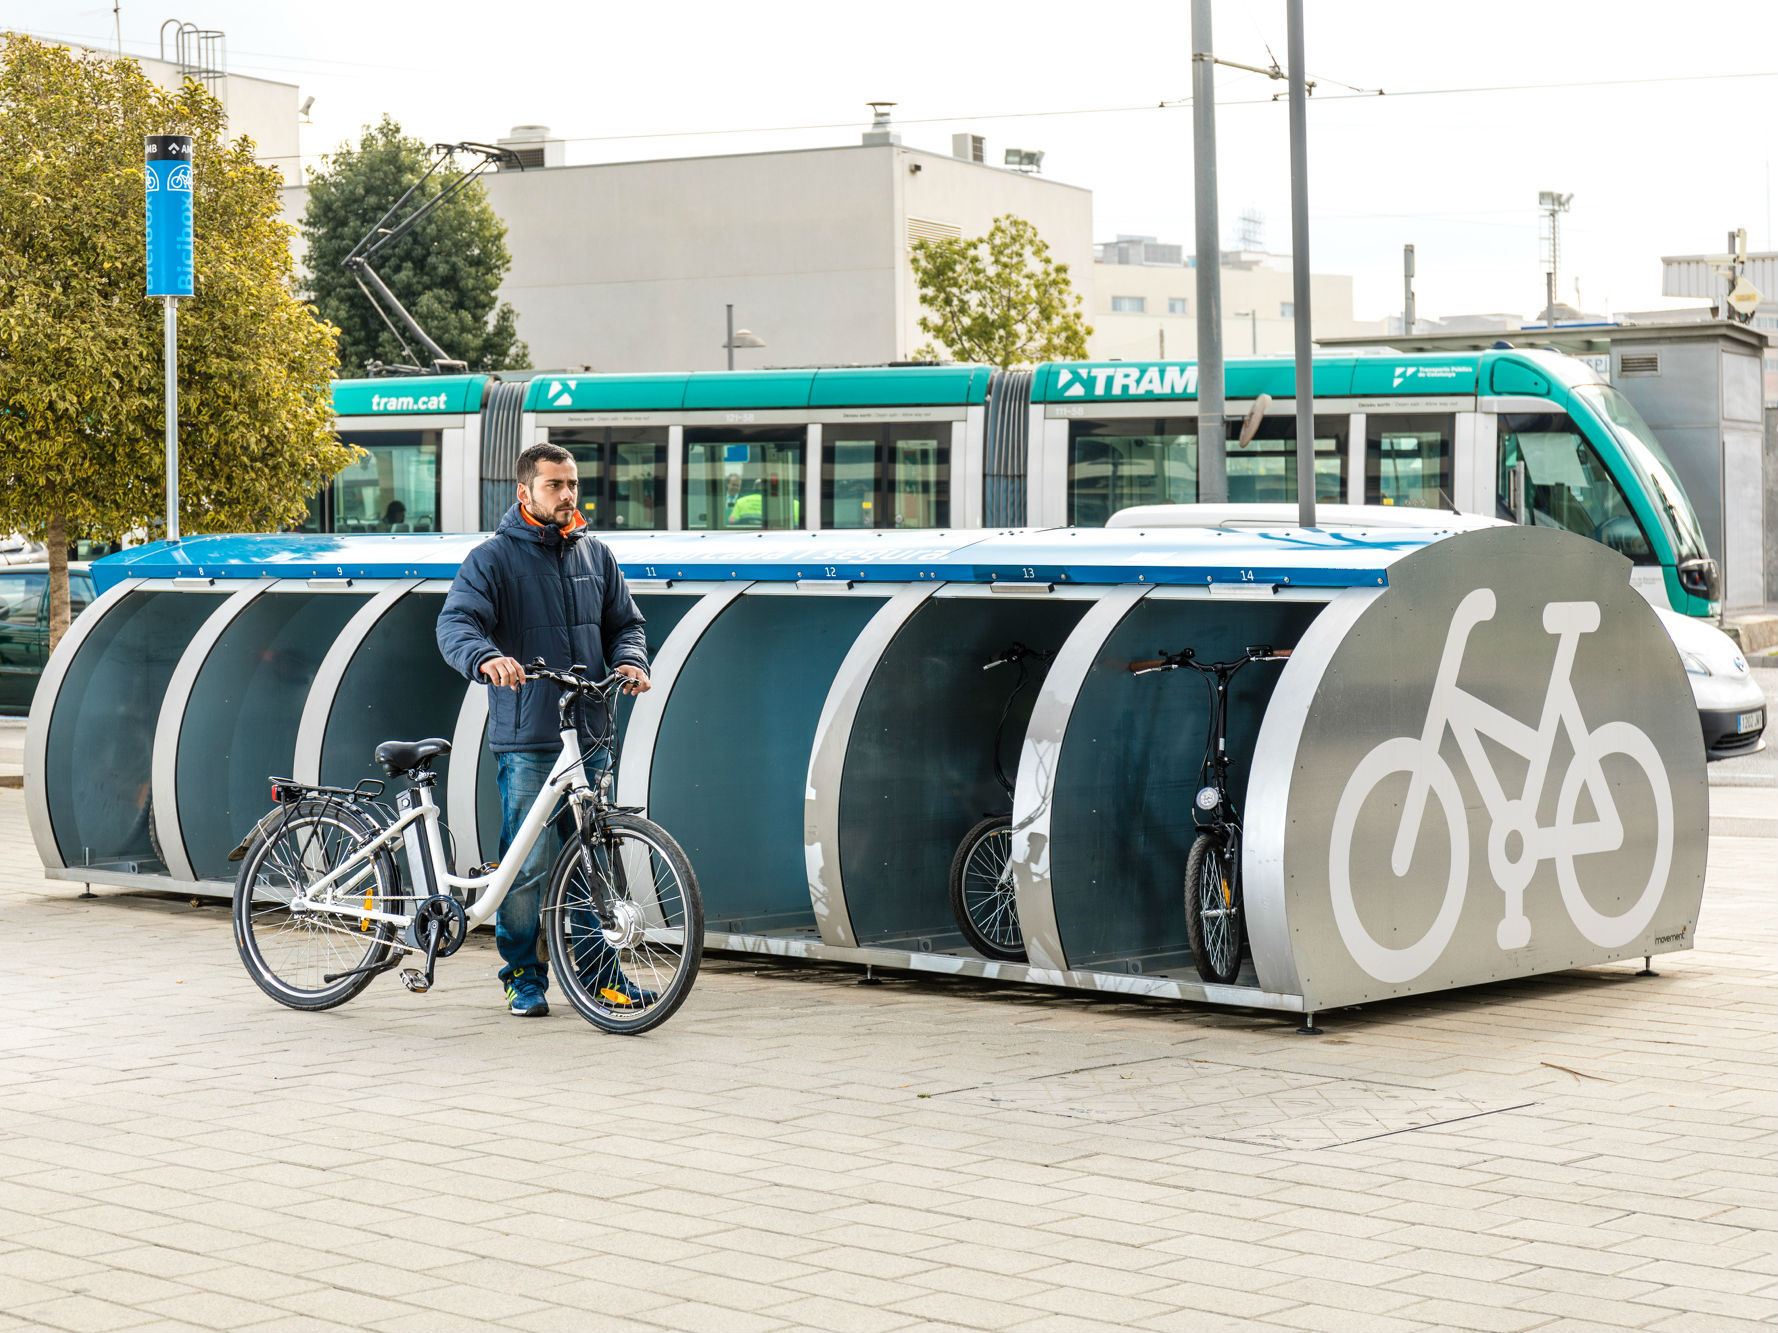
(1169, 104)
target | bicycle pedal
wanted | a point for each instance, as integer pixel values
(416, 981)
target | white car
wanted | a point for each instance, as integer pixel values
(1731, 705)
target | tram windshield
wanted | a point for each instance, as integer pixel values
(1654, 470)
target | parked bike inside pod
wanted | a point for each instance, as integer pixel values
(1213, 921)
(983, 896)
(320, 905)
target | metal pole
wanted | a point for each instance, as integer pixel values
(1299, 246)
(1549, 301)
(1407, 291)
(731, 336)
(171, 357)
(1253, 330)
(1213, 463)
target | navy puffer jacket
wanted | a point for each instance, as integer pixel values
(532, 591)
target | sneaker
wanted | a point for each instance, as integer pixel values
(524, 997)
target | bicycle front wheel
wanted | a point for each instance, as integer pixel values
(291, 940)
(1213, 907)
(625, 924)
(984, 897)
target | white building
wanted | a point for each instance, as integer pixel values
(629, 266)
(264, 110)
(1145, 302)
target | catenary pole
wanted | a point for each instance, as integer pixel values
(1299, 246)
(1213, 468)
(1407, 291)
(731, 336)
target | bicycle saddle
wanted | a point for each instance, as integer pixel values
(407, 756)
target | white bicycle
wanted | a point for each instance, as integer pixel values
(320, 908)
(1517, 843)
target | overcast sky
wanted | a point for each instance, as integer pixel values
(1655, 168)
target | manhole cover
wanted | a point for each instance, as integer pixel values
(1203, 1099)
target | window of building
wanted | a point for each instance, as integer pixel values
(1176, 305)
(1287, 310)
(1113, 465)
(1551, 477)
(1128, 305)
(1265, 471)
(623, 474)
(744, 477)
(1407, 460)
(886, 476)
(394, 487)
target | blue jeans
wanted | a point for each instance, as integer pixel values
(521, 776)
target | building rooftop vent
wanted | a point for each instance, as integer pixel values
(880, 134)
(533, 146)
(968, 148)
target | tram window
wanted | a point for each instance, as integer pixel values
(744, 477)
(1115, 464)
(1265, 471)
(1566, 485)
(392, 488)
(623, 474)
(885, 476)
(1407, 460)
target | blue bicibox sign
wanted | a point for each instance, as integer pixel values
(167, 183)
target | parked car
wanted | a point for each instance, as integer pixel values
(24, 627)
(1731, 705)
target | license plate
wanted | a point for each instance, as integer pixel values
(1751, 721)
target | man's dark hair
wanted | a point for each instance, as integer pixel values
(540, 453)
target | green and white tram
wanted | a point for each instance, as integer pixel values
(1531, 436)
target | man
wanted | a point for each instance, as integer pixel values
(541, 586)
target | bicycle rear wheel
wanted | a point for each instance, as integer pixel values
(984, 898)
(1213, 906)
(625, 924)
(289, 948)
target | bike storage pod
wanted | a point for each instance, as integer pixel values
(1479, 759)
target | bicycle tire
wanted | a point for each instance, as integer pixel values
(593, 917)
(983, 897)
(287, 954)
(1213, 907)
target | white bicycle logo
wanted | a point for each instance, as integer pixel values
(1517, 844)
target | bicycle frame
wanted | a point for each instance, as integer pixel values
(419, 828)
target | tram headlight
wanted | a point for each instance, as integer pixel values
(1208, 798)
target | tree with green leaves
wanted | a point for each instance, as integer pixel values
(82, 450)
(998, 299)
(446, 271)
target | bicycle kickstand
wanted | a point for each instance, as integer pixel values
(415, 980)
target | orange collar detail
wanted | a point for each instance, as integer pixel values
(572, 525)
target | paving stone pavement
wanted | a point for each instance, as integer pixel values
(1581, 1152)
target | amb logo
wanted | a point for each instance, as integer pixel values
(1128, 382)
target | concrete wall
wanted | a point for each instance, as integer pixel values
(1263, 287)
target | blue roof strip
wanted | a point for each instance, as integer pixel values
(1100, 556)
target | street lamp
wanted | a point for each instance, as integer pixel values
(739, 337)
(1252, 317)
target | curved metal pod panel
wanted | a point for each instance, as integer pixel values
(827, 759)
(318, 707)
(238, 708)
(1498, 773)
(729, 760)
(1122, 819)
(1034, 792)
(916, 754)
(89, 743)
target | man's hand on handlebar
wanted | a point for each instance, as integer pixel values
(503, 672)
(635, 680)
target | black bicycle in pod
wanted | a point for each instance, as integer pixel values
(1213, 921)
(984, 898)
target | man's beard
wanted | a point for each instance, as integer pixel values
(546, 518)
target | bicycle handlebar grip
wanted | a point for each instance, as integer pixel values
(1152, 664)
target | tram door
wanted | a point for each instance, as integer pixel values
(886, 475)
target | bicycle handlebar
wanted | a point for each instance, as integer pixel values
(570, 680)
(1188, 657)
